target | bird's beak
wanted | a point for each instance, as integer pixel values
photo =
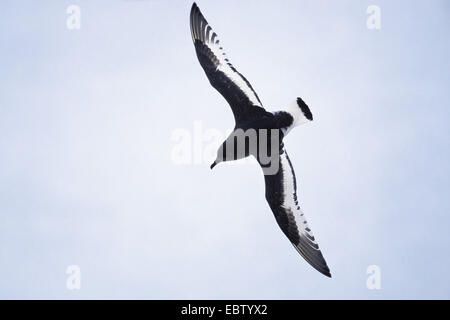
(213, 165)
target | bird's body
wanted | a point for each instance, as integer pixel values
(259, 133)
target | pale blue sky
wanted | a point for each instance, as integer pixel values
(86, 119)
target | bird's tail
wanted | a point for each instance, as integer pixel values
(300, 113)
(299, 110)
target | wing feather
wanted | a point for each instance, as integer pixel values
(281, 194)
(223, 76)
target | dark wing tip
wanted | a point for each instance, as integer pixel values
(194, 8)
(313, 256)
(325, 271)
(305, 109)
(198, 23)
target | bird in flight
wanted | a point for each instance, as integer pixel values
(269, 129)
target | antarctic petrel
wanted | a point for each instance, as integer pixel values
(248, 111)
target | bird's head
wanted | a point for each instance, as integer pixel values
(220, 155)
(216, 162)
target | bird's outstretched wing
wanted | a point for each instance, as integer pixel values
(281, 194)
(232, 85)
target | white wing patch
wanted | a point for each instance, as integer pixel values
(290, 201)
(209, 38)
